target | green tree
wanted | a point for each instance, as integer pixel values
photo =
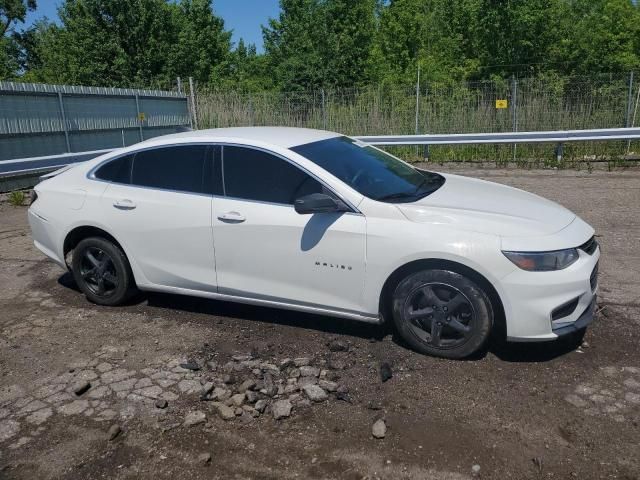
(292, 42)
(248, 71)
(437, 34)
(317, 43)
(12, 12)
(202, 47)
(143, 43)
(604, 36)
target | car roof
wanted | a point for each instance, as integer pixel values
(286, 137)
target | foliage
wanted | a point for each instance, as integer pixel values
(17, 198)
(322, 44)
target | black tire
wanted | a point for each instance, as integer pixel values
(458, 326)
(102, 271)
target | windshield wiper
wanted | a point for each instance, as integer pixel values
(393, 196)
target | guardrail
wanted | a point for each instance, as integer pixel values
(561, 136)
(25, 166)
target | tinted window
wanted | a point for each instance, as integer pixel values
(256, 175)
(184, 168)
(118, 170)
(370, 171)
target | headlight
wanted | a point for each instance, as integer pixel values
(543, 261)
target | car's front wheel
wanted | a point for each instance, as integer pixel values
(442, 313)
(101, 270)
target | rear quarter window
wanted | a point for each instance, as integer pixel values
(117, 170)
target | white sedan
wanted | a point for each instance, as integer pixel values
(316, 221)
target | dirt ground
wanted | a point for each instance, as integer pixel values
(524, 411)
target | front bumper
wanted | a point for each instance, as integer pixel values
(582, 322)
(531, 298)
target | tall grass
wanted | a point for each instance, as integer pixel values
(534, 104)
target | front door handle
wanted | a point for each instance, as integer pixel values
(232, 217)
(124, 204)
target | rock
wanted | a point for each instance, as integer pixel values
(242, 358)
(302, 362)
(343, 389)
(315, 393)
(379, 429)
(238, 399)
(8, 428)
(281, 409)
(194, 418)
(80, 387)
(204, 458)
(328, 386)
(286, 363)
(336, 364)
(475, 470)
(40, 416)
(252, 397)
(190, 366)
(151, 392)
(74, 408)
(338, 346)
(225, 412)
(307, 381)
(309, 371)
(228, 379)
(238, 411)
(343, 396)
(269, 386)
(162, 403)
(246, 385)
(113, 432)
(221, 394)
(385, 371)
(261, 405)
(207, 388)
(290, 389)
(189, 386)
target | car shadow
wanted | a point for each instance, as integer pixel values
(269, 315)
(507, 352)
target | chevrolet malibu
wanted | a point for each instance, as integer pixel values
(319, 222)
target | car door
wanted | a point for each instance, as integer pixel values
(264, 249)
(160, 207)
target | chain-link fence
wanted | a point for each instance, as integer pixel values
(605, 101)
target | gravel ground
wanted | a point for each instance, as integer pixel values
(181, 388)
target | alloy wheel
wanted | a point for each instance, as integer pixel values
(440, 315)
(98, 271)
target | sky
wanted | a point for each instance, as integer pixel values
(244, 17)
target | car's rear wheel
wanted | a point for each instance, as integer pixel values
(442, 313)
(102, 271)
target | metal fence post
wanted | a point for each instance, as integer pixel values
(629, 107)
(418, 101)
(179, 83)
(324, 110)
(64, 122)
(425, 152)
(514, 110)
(138, 114)
(194, 114)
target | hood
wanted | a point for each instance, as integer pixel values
(476, 205)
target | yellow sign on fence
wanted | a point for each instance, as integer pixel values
(502, 104)
(141, 116)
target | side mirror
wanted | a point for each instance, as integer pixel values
(317, 203)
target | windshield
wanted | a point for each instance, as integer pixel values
(372, 172)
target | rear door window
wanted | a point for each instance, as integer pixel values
(185, 168)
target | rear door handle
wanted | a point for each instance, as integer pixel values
(124, 204)
(232, 217)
